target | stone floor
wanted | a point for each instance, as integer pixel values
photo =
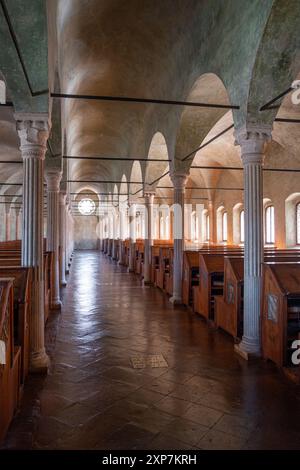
(93, 398)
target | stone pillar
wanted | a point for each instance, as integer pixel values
(252, 141)
(33, 132)
(132, 235)
(17, 226)
(115, 234)
(179, 181)
(53, 178)
(7, 222)
(122, 231)
(212, 237)
(62, 237)
(149, 199)
(67, 236)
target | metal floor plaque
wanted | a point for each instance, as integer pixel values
(154, 360)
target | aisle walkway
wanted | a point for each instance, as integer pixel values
(93, 398)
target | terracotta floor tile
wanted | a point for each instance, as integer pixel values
(93, 398)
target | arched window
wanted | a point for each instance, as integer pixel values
(298, 223)
(86, 206)
(224, 226)
(242, 226)
(269, 225)
(167, 232)
(193, 226)
(161, 228)
(207, 228)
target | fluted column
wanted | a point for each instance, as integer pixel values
(7, 222)
(17, 226)
(53, 178)
(211, 214)
(33, 135)
(115, 234)
(179, 181)
(67, 236)
(149, 199)
(62, 236)
(122, 230)
(132, 235)
(252, 142)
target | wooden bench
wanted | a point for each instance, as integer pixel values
(230, 307)
(280, 315)
(190, 276)
(10, 371)
(22, 287)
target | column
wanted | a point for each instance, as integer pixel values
(179, 181)
(122, 209)
(132, 235)
(7, 222)
(149, 199)
(17, 226)
(211, 214)
(53, 178)
(114, 234)
(62, 236)
(67, 235)
(33, 135)
(252, 142)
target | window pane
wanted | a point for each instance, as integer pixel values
(207, 227)
(224, 228)
(242, 226)
(270, 225)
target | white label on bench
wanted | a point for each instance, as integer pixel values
(2, 353)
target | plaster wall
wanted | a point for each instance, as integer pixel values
(85, 233)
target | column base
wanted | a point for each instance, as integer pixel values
(146, 283)
(245, 354)
(175, 300)
(130, 270)
(56, 305)
(39, 363)
(63, 283)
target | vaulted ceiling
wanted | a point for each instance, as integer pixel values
(233, 53)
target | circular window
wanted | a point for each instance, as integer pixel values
(86, 206)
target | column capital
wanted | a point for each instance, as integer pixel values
(252, 140)
(62, 198)
(7, 206)
(53, 177)
(33, 131)
(149, 196)
(179, 179)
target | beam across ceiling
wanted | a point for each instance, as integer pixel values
(128, 99)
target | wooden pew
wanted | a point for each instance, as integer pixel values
(229, 307)
(109, 248)
(22, 285)
(163, 267)
(154, 262)
(48, 276)
(10, 371)
(190, 275)
(168, 282)
(139, 257)
(280, 312)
